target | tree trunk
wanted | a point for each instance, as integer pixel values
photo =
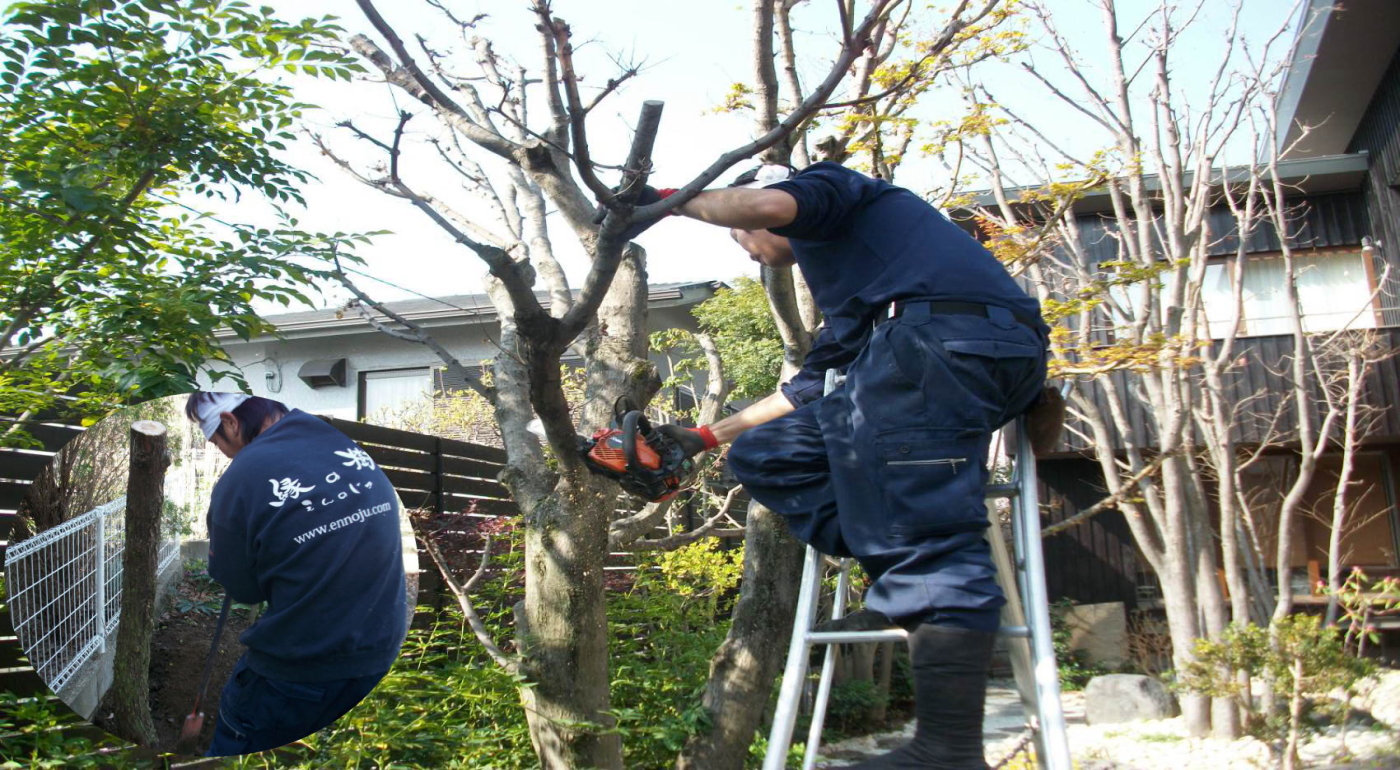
(566, 544)
(145, 497)
(743, 670)
(1179, 589)
(1295, 716)
(1214, 613)
(882, 682)
(1355, 380)
(564, 641)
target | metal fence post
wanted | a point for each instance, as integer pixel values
(102, 580)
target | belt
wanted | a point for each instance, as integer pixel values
(948, 307)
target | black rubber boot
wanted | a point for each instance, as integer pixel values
(950, 693)
(860, 620)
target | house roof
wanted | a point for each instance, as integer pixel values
(453, 310)
(1337, 64)
(1311, 175)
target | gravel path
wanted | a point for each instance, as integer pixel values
(1156, 745)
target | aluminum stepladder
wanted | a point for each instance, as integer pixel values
(1032, 654)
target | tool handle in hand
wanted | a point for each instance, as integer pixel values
(213, 652)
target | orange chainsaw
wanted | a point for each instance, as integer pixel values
(644, 461)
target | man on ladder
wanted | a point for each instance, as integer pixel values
(939, 347)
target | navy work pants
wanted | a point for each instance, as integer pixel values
(257, 713)
(891, 467)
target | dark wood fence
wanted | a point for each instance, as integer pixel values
(18, 468)
(435, 474)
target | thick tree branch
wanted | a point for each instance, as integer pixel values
(765, 71)
(608, 251)
(425, 88)
(787, 50)
(454, 114)
(716, 388)
(577, 114)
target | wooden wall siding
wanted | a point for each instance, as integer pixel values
(1096, 561)
(1378, 135)
(1265, 379)
(1323, 221)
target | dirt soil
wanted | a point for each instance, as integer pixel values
(178, 652)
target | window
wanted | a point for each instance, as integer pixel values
(388, 392)
(1333, 289)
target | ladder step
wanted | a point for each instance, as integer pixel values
(893, 635)
(998, 491)
(846, 637)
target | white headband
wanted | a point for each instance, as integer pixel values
(208, 411)
(763, 176)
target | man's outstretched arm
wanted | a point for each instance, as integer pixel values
(743, 208)
(697, 440)
(770, 408)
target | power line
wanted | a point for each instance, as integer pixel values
(440, 301)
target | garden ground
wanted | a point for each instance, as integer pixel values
(179, 649)
(1150, 745)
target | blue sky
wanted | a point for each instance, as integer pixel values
(693, 52)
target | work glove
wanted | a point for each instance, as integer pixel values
(648, 196)
(1045, 421)
(692, 441)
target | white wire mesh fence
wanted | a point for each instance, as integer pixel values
(66, 587)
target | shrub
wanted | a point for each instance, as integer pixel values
(1298, 655)
(43, 733)
(851, 705)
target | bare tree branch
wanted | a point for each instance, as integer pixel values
(609, 247)
(416, 334)
(1128, 486)
(672, 542)
(856, 42)
(409, 76)
(462, 592)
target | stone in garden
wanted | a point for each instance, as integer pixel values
(1126, 698)
(1381, 697)
(1100, 631)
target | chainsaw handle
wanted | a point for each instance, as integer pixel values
(630, 422)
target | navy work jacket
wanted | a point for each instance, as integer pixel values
(863, 243)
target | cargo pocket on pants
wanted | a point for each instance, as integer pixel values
(931, 485)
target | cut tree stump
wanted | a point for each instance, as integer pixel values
(145, 497)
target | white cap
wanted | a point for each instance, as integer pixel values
(214, 405)
(762, 176)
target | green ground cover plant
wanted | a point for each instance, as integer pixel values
(444, 704)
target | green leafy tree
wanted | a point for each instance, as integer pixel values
(743, 330)
(111, 114)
